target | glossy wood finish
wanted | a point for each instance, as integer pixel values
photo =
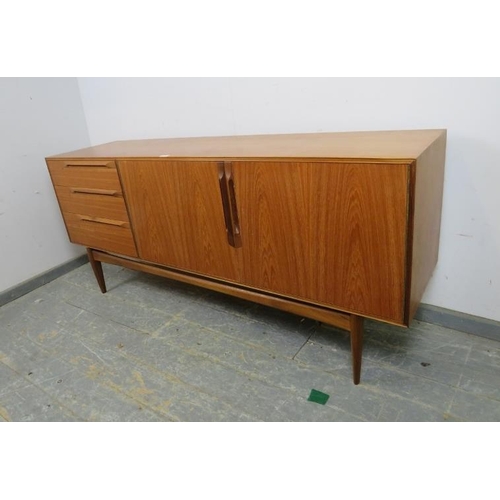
(104, 234)
(97, 268)
(333, 234)
(356, 331)
(101, 220)
(226, 204)
(96, 205)
(229, 204)
(233, 205)
(88, 163)
(384, 145)
(334, 227)
(102, 192)
(177, 214)
(99, 175)
(90, 197)
(425, 221)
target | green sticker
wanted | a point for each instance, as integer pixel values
(318, 397)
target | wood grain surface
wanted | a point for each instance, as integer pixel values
(177, 215)
(381, 145)
(86, 176)
(95, 205)
(425, 221)
(97, 269)
(356, 331)
(348, 221)
(100, 235)
(334, 234)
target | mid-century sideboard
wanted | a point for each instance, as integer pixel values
(332, 226)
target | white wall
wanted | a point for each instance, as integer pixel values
(467, 277)
(38, 117)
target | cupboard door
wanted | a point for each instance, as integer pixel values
(177, 215)
(329, 233)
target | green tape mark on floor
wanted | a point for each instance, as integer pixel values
(318, 397)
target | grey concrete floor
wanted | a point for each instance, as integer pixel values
(155, 350)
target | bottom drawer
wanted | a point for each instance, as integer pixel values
(99, 233)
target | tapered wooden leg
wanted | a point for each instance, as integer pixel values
(356, 330)
(97, 268)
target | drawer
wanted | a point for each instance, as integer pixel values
(85, 174)
(105, 203)
(100, 233)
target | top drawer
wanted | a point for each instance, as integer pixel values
(100, 174)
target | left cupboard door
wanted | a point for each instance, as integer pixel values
(176, 210)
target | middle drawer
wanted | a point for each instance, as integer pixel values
(106, 203)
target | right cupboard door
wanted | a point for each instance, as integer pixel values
(328, 233)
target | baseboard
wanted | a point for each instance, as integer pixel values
(42, 279)
(459, 321)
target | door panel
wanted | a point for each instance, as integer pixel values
(274, 215)
(177, 215)
(330, 233)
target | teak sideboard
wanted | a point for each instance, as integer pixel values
(336, 227)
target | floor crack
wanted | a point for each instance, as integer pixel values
(306, 341)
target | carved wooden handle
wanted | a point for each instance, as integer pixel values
(235, 223)
(99, 220)
(225, 203)
(105, 192)
(90, 164)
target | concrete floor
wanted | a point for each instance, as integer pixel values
(156, 350)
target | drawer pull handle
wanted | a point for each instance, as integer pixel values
(104, 192)
(229, 206)
(86, 164)
(226, 207)
(99, 220)
(233, 205)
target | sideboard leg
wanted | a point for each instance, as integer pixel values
(97, 268)
(356, 330)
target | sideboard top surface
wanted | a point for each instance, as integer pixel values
(376, 146)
